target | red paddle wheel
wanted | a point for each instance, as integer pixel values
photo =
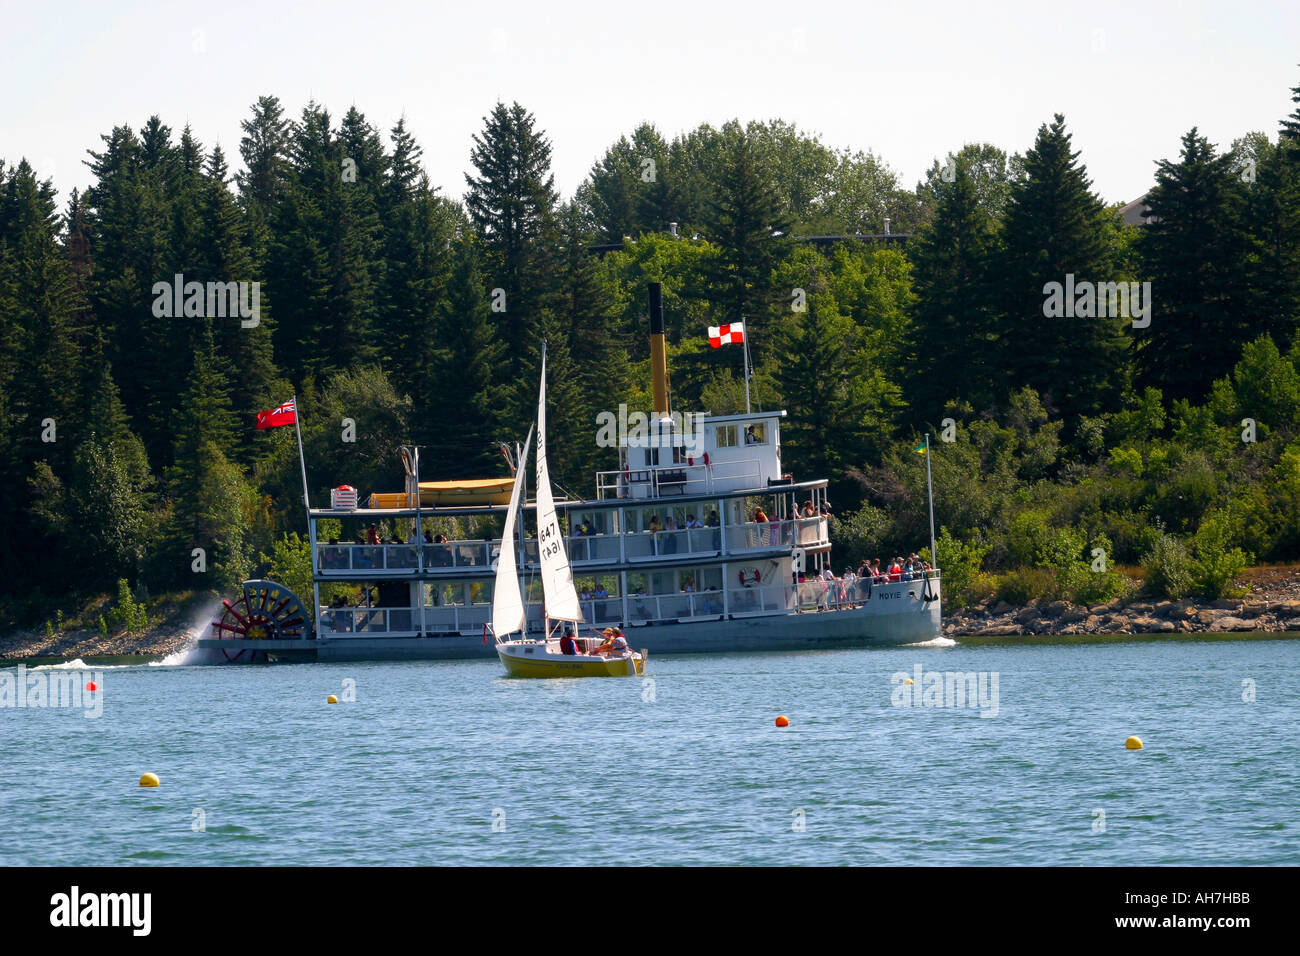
(266, 611)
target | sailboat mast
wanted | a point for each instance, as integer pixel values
(521, 473)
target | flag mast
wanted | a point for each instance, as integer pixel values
(302, 461)
(929, 486)
(744, 339)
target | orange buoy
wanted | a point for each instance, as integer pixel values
(782, 720)
(90, 686)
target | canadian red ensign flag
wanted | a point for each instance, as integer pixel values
(284, 415)
(720, 335)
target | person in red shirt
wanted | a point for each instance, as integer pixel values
(567, 644)
(896, 570)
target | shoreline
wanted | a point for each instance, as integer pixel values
(1270, 604)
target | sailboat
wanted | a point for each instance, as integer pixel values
(557, 654)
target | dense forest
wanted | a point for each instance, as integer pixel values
(1166, 439)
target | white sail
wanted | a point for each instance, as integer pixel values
(557, 579)
(507, 603)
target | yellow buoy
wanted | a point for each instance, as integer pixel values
(782, 720)
(1133, 743)
(332, 699)
(909, 681)
(149, 780)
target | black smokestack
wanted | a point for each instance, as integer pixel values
(656, 308)
(658, 350)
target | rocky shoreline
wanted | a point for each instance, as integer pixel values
(1270, 602)
(992, 618)
(179, 624)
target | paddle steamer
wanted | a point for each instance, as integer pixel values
(667, 548)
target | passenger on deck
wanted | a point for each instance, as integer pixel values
(751, 437)
(693, 522)
(372, 535)
(896, 570)
(712, 520)
(639, 604)
(584, 529)
(760, 516)
(670, 540)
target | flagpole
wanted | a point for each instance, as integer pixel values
(744, 338)
(302, 461)
(929, 485)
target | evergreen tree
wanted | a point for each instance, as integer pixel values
(1055, 227)
(831, 388)
(204, 429)
(1194, 252)
(583, 307)
(459, 374)
(511, 203)
(751, 231)
(1272, 220)
(949, 352)
(417, 236)
(626, 192)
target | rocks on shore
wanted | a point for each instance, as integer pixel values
(990, 618)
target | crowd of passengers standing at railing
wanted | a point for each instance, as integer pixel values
(854, 587)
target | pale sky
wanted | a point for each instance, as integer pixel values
(908, 80)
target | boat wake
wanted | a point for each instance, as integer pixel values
(935, 642)
(190, 653)
(77, 664)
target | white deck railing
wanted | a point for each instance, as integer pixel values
(344, 559)
(659, 481)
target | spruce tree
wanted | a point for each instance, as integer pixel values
(511, 203)
(751, 230)
(1055, 227)
(1194, 253)
(458, 380)
(949, 357)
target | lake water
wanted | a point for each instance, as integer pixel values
(452, 763)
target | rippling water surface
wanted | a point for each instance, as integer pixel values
(452, 763)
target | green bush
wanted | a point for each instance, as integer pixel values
(129, 614)
(959, 565)
(1020, 585)
(860, 534)
(1169, 567)
(1216, 563)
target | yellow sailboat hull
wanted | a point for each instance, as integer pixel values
(520, 662)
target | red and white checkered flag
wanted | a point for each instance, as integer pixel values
(720, 335)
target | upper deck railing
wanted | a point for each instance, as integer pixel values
(683, 478)
(343, 560)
